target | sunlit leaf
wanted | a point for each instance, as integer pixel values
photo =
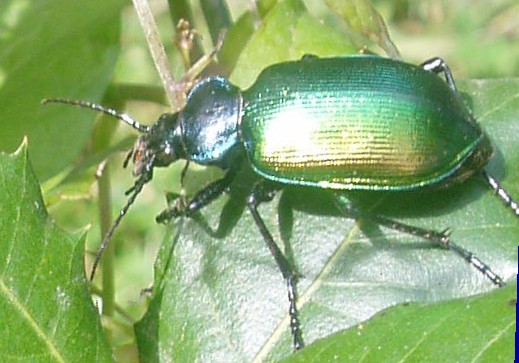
(47, 313)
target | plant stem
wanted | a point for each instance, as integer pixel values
(101, 140)
(104, 205)
(174, 90)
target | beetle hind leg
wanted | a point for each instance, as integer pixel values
(441, 238)
(438, 65)
(501, 193)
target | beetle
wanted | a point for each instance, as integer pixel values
(349, 123)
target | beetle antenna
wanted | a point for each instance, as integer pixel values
(97, 107)
(135, 190)
(501, 193)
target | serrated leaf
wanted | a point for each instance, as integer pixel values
(54, 49)
(47, 313)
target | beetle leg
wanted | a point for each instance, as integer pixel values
(438, 65)
(200, 200)
(259, 195)
(501, 193)
(441, 239)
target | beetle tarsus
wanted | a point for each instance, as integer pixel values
(200, 200)
(295, 326)
(476, 262)
(166, 215)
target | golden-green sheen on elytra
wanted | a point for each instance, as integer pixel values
(361, 122)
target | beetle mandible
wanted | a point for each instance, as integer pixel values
(345, 123)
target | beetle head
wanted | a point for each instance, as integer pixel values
(159, 146)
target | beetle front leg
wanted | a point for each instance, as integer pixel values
(438, 65)
(201, 199)
(261, 193)
(441, 239)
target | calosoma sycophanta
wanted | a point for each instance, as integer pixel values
(343, 123)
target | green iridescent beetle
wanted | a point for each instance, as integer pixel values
(360, 122)
(343, 123)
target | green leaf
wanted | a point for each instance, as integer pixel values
(47, 313)
(220, 297)
(363, 19)
(480, 329)
(287, 32)
(57, 48)
(235, 40)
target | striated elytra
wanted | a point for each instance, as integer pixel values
(358, 122)
(345, 123)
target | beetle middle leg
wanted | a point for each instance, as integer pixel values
(438, 65)
(263, 192)
(441, 238)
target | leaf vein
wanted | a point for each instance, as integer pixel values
(27, 316)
